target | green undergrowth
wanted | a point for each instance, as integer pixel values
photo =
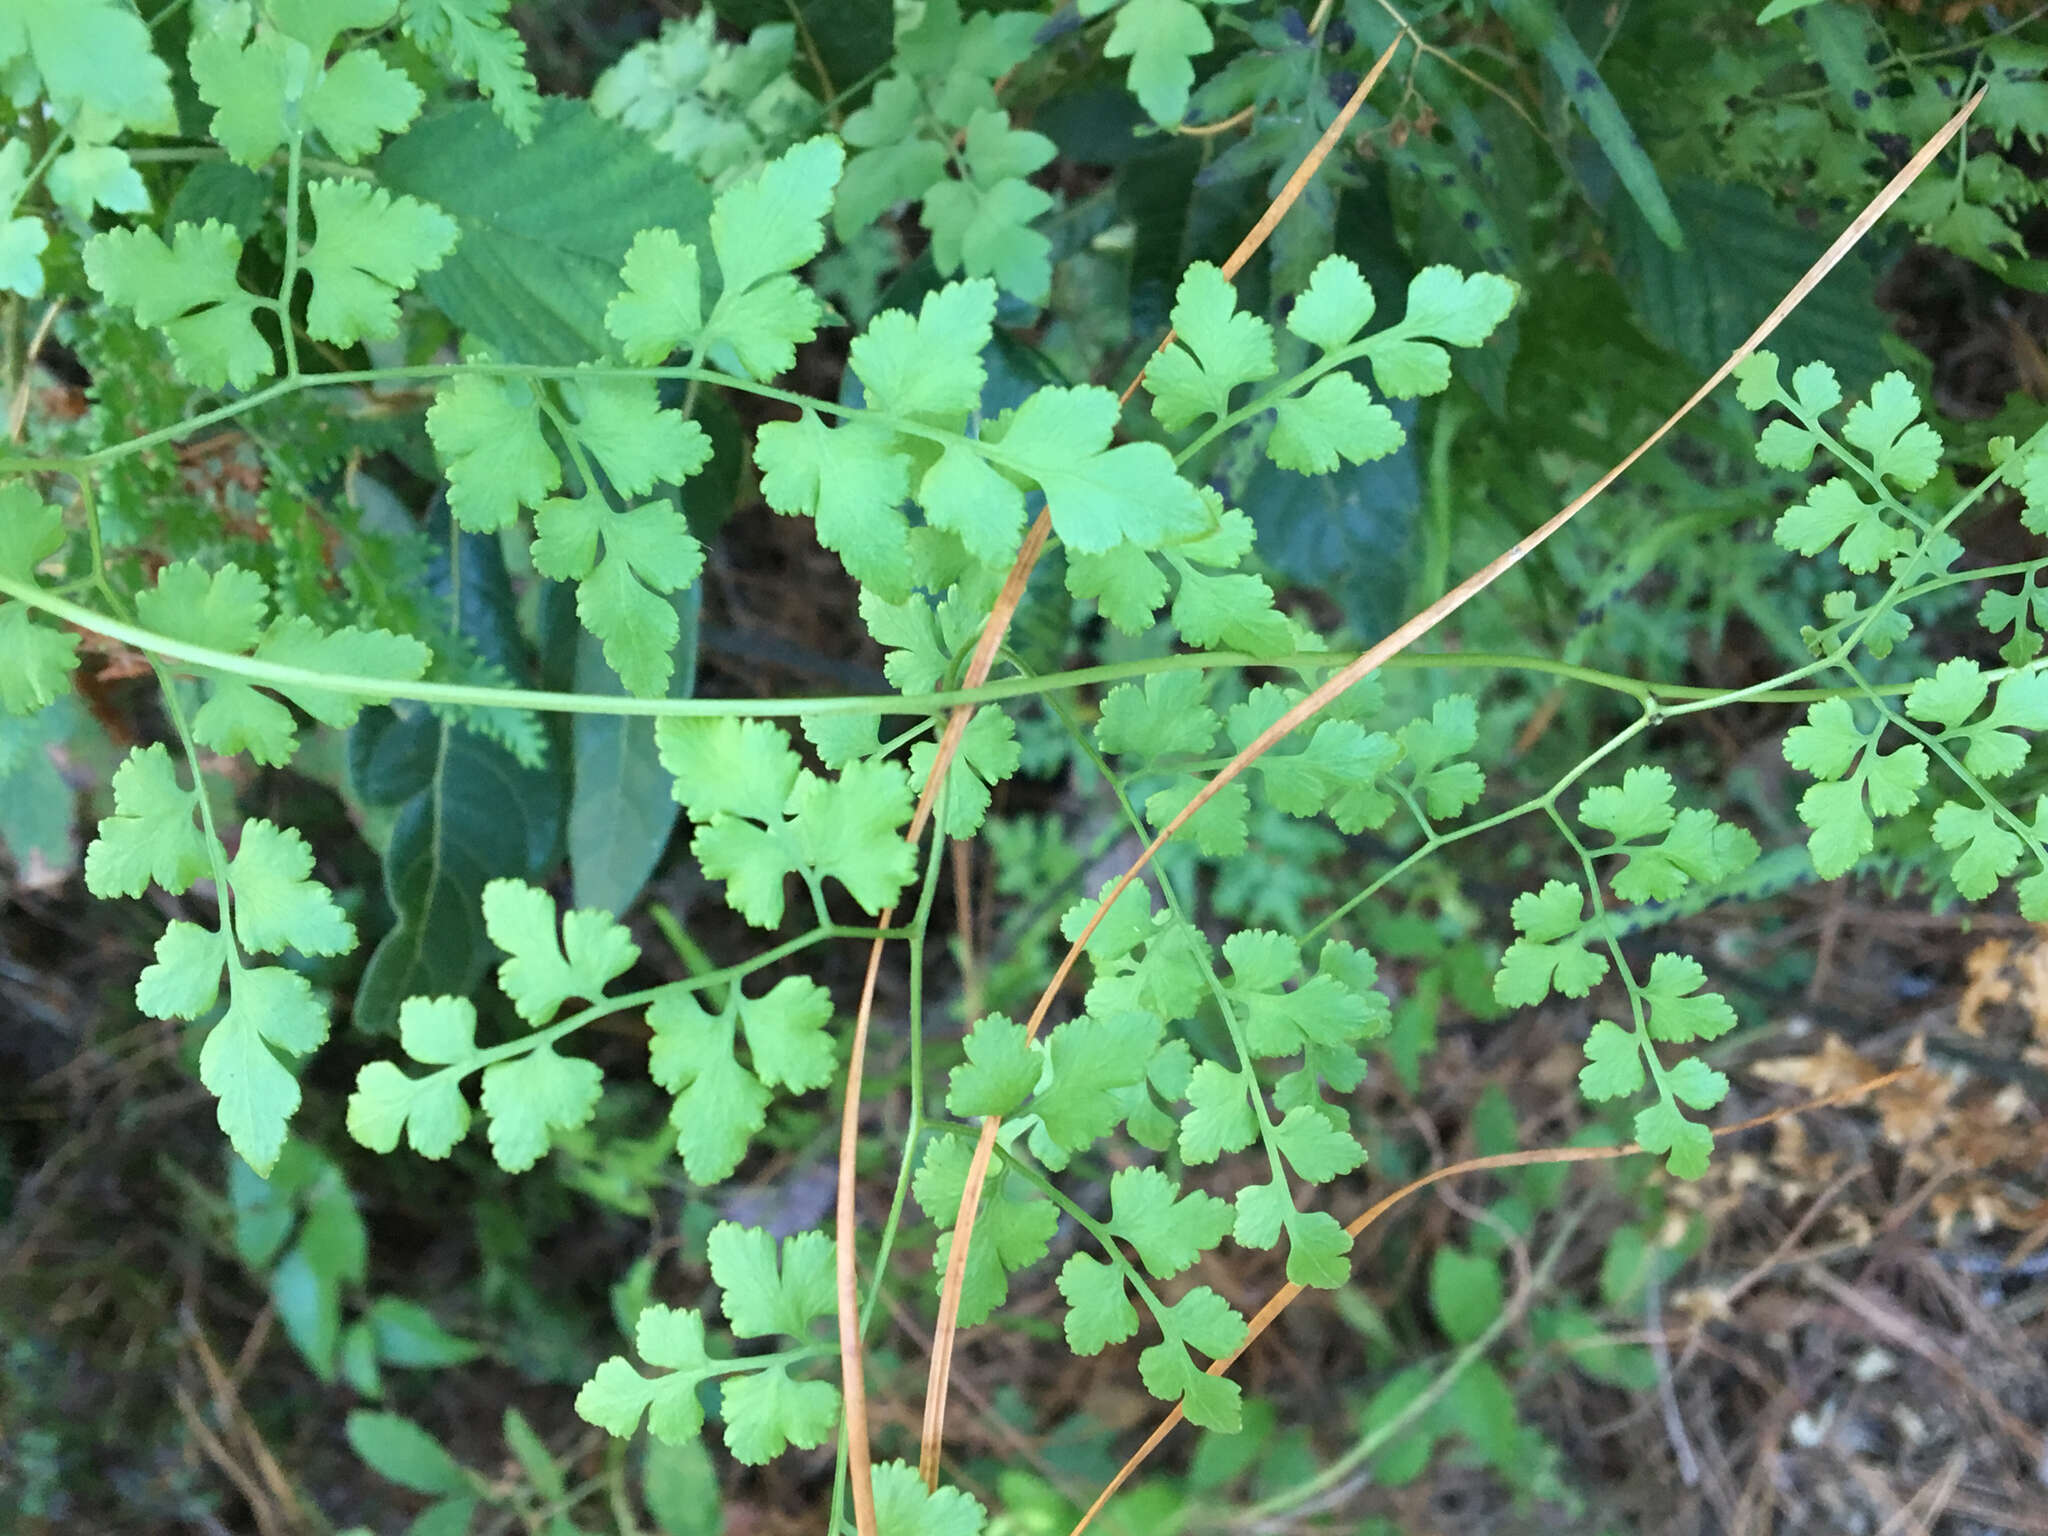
(488, 379)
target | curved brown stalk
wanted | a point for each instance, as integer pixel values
(1285, 1297)
(1370, 661)
(946, 1329)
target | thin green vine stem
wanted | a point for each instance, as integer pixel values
(1429, 847)
(384, 689)
(1936, 747)
(293, 169)
(920, 927)
(1247, 1061)
(216, 850)
(1637, 1013)
(645, 997)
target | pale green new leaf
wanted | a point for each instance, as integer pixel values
(1614, 1063)
(152, 835)
(725, 765)
(188, 290)
(487, 436)
(91, 54)
(637, 443)
(1161, 38)
(267, 1007)
(1689, 1145)
(1217, 348)
(762, 229)
(1000, 1072)
(1886, 426)
(761, 1295)
(852, 480)
(617, 1396)
(184, 980)
(276, 905)
(1099, 1310)
(1097, 495)
(531, 1097)
(1170, 1230)
(1679, 1012)
(905, 1507)
(1337, 304)
(1337, 421)
(1548, 956)
(546, 970)
(661, 309)
(369, 248)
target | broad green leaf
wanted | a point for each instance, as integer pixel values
(91, 54)
(400, 1450)
(543, 226)
(1465, 1292)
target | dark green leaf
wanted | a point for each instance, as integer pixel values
(544, 226)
